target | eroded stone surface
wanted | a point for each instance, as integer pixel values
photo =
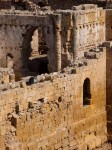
(55, 76)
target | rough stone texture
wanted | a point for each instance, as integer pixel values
(5, 4)
(41, 111)
(89, 32)
(56, 116)
(109, 89)
(108, 25)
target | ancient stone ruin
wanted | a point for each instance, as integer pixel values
(55, 74)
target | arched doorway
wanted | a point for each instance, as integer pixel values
(34, 52)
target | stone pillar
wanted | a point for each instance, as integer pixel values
(68, 39)
(10, 61)
(75, 38)
(108, 45)
(35, 43)
(57, 37)
(12, 78)
(96, 30)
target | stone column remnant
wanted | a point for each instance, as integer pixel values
(96, 30)
(75, 37)
(69, 29)
(57, 21)
(35, 43)
(12, 78)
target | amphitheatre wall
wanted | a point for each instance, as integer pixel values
(15, 31)
(108, 25)
(64, 110)
(83, 30)
(109, 88)
(5, 4)
(64, 32)
(52, 112)
(108, 44)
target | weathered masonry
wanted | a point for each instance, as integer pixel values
(55, 77)
(50, 35)
(52, 111)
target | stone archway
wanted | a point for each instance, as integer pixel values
(34, 52)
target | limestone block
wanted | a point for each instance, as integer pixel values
(14, 146)
(82, 146)
(103, 139)
(58, 145)
(91, 144)
(98, 142)
(89, 137)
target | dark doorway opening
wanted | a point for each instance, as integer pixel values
(38, 65)
(35, 49)
(41, 4)
(19, 5)
(86, 92)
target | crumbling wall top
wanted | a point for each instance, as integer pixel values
(84, 7)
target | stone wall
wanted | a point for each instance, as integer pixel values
(19, 29)
(109, 72)
(11, 43)
(5, 4)
(51, 115)
(6, 76)
(83, 30)
(108, 25)
(109, 88)
(91, 26)
(71, 31)
(48, 111)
